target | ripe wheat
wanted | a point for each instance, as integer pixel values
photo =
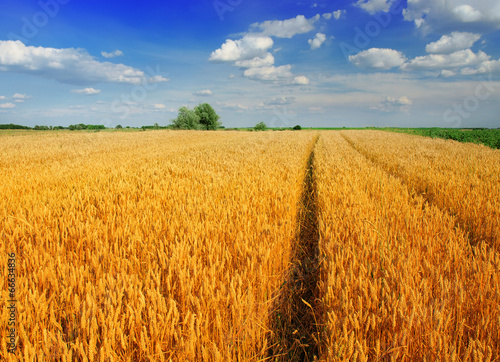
(399, 279)
(148, 246)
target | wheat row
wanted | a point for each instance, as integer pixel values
(399, 280)
(463, 179)
(148, 246)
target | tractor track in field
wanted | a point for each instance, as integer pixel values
(295, 336)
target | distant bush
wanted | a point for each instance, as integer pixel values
(297, 128)
(261, 126)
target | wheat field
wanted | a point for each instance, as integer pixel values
(400, 279)
(183, 246)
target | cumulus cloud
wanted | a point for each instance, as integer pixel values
(87, 91)
(467, 14)
(158, 79)
(271, 73)
(20, 96)
(286, 28)
(301, 80)
(7, 105)
(274, 74)
(390, 104)
(116, 53)
(464, 62)
(337, 14)
(252, 51)
(452, 43)
(73, 66)
(248, 47)
(486, 67)
(265, 61)
(375, 6)
(2, 98)
(376, 58)
(459, 59)
(444, 16)
(317, 41)
(203, 93)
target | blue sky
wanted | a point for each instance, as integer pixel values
(413, 63)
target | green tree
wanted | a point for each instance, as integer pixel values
(209, 119)
(261, 126)
(119, 126)
(186, 119)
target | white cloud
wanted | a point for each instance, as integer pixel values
(391, 104)
(399, 101)
(248, 47)
(301, 80)
(73, 66)
(461, 58)
(374, 6)
(203, 93)
(159, 106)
(489, 66)
(286, 28)
(337, 14)
(20, 96)
(2, 98)
(87, 91)
(252, 51)
(452, 43)
(317, 41)
(116, 53)
(381, 59)
(271, 73)
(444, 16)
(265, 61)
(7, 105)
(157, 79)
(467, 14)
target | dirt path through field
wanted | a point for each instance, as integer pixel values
(296, 318)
